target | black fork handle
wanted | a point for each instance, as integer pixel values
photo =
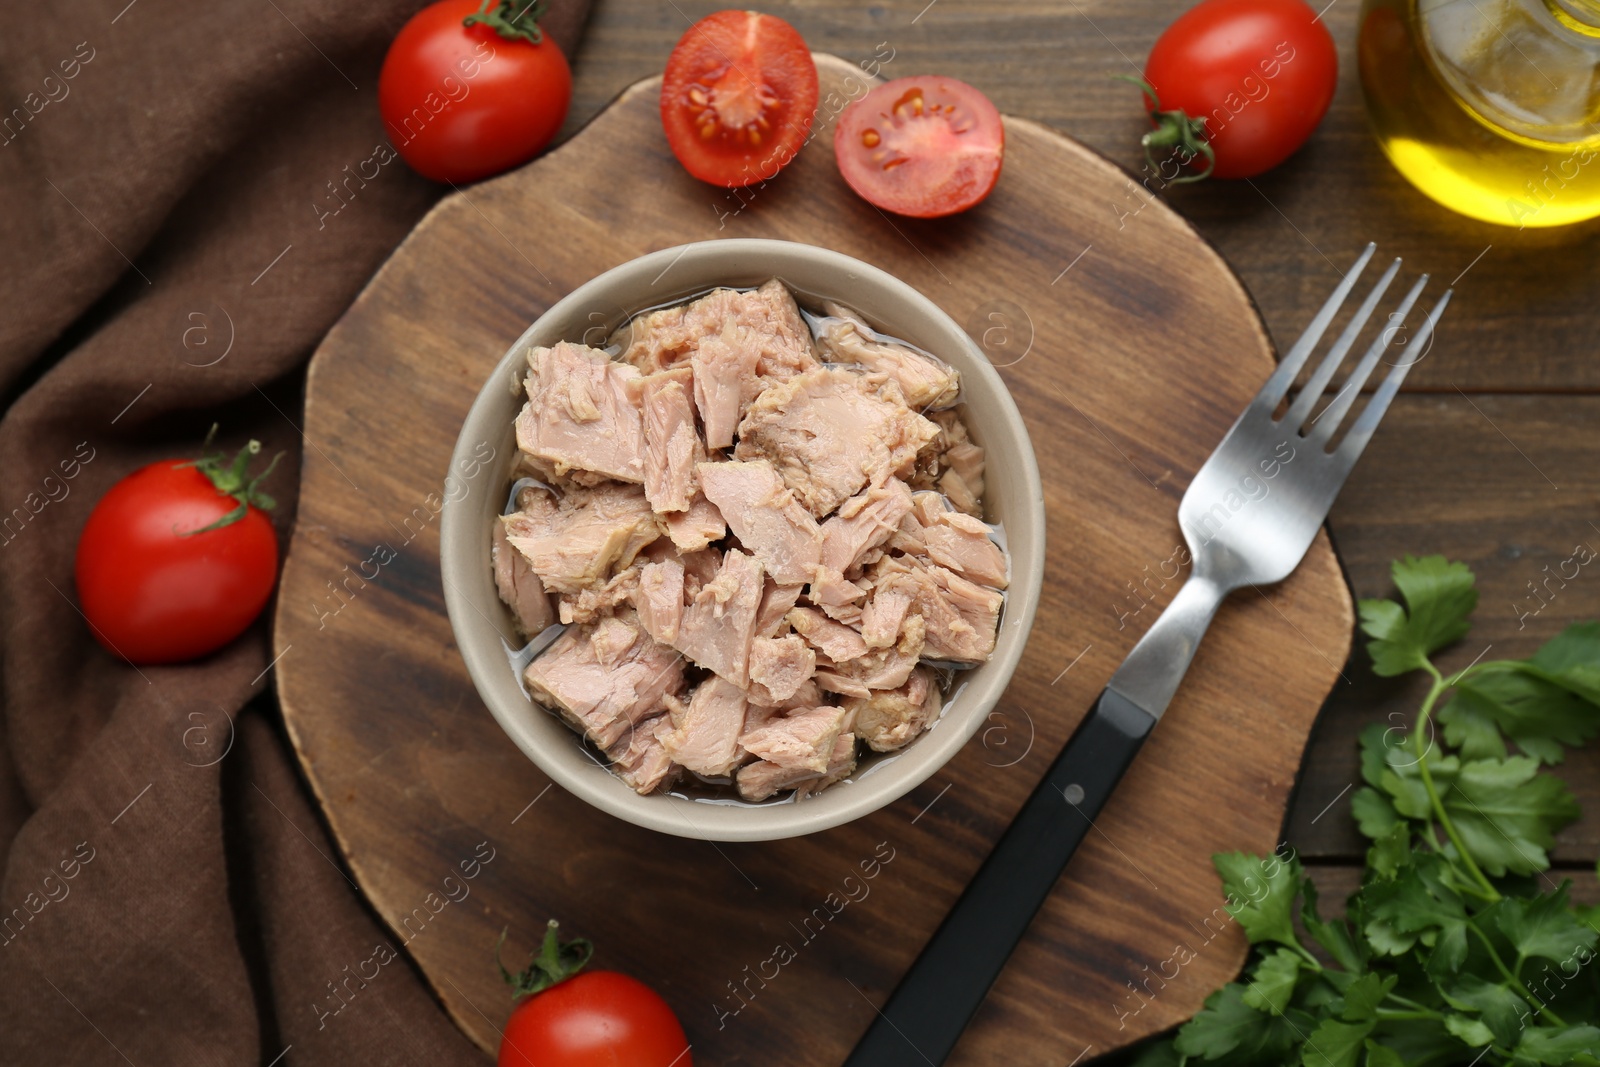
(924, 1017)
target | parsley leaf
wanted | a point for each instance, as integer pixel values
(1390, 852)
(1272, 984)
(1375, 814)
(1545, 1044)
(1471, 717)
(1439, 595)
(1377, 742)
(1260, 894)
(1227, 1025)
(1472, 1031)
(1449, 950)
(1501, 1010)
(1378, 1056)
(1508, 814)
(1401, 909)
(1332, 934)
(1545, 927)
(1538, 715)
(1421, 1041)
(1336, 1044)
(1393, 766)
(1571, 659)
(1361, 1000)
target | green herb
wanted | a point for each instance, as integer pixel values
(511, 19)
(554, 963)
(1175, 130)
(233, 479)
(1457, 948)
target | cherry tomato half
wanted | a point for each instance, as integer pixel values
(464, 102)
(155, 585)
(596, 1019)
(921, 146)
(1260, 72)
(738, 97)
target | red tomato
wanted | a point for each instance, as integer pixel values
(921, 146)
(1260, 72)
(596, 1019)
(738, 97)
(155, 585)
(465, 102)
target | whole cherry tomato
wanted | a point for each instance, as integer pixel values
(471, 89)
(1238, 85)
(178, 558)
(594, 1019)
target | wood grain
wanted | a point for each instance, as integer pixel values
(1524, 317)
(1133, 373)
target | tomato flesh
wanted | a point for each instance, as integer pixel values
(1261, 72)
(923, 147)
(462, 103)
(596, 1019)
(738, 97)
(153, 590)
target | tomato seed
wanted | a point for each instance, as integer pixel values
(911, 98)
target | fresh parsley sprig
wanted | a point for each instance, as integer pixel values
(1455, 950)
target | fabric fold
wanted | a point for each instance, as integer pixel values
(188, 211)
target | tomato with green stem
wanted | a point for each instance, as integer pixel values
(471, 89)
(178, 558)
(1234, 87)
(593, 1019)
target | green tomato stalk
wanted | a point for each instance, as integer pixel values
(554, 963)
(515, 20)
(1174, 130)
(233, 478)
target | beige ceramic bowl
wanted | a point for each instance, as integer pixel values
(482, 624)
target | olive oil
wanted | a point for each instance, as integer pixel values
(1490, 107)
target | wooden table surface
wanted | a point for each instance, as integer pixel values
(1490, 456)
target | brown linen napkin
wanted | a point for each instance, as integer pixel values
(169, 257)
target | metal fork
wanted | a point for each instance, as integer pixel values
(1248, 518)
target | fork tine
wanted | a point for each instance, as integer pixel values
(1278, 385)
(1318, 381)
(1350, 449)
(1327, 423)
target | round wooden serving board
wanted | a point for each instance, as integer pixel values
(1129, 347)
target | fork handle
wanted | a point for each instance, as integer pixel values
(925, 1015)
